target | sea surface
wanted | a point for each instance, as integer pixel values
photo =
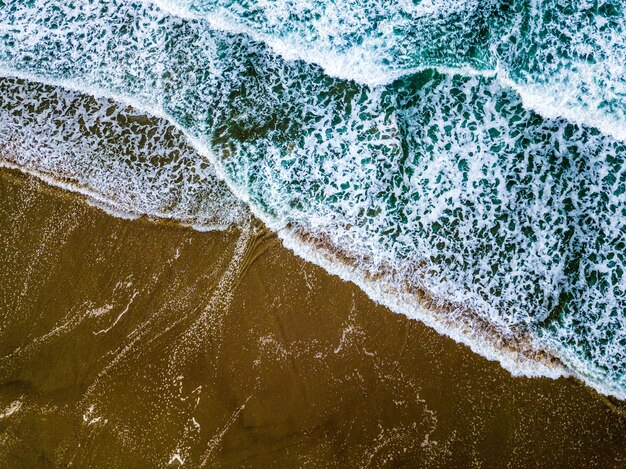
(463, 162)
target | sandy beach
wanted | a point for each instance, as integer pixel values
(139, 343)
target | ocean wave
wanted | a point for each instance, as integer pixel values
(440, 194)
(566, 59)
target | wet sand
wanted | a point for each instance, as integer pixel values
(135, 343)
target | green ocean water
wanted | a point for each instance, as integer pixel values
(473, 150)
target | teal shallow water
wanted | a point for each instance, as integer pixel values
(474, 151)
(565, 58)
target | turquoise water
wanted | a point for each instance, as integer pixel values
(471, 150)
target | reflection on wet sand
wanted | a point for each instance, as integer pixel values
(134, 343)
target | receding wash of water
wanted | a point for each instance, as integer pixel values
(462, 161)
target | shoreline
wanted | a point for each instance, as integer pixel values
(511, 353)
(149, 341)
(518, 356)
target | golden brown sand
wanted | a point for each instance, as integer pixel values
(133, 343)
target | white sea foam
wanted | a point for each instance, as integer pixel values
(562, 64)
